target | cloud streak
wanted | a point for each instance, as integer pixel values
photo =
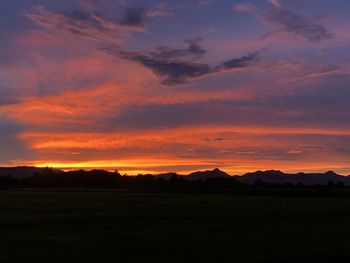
(286, 21)
(322, 72)
(87, 25)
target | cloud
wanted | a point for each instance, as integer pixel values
(177, 66)
(324, 71)
(84, 24)
(90, 24)
(172, 65)
(241, 62)
(289, 22)
(175, 72)
(276, 3)
(135, 17)
(193, 51)
(297, 25)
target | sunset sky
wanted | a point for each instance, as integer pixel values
(155, 86)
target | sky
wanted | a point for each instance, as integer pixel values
(155, 86)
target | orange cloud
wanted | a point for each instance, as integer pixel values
(236, 149)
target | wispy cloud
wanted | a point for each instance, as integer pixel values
(276, 3)
(82, 24)
(321, 72)
(288, 22)
(240, 62)
(89, 24)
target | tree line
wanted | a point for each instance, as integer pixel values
(99, 179)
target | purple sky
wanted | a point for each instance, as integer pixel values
(151, 86)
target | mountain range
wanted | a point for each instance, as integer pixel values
(278, 177)
(270, 176)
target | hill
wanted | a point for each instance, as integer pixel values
(278, 177)
(203, 175)
(19, 172)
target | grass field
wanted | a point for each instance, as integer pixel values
(119, 227)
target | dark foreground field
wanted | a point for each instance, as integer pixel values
(117, 227)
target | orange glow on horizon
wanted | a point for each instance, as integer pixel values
(229, 146)
(156, 166)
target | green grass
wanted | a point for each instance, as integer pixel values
(119, 227)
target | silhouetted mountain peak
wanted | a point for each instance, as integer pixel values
(274, 172)
(218, 172)
(264, 173)
(331, 173)
(167, 176)
(202, 175)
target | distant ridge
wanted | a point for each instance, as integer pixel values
(168, 176)
(20, 171)
(270, 176)
(203, 175)
(278, 177)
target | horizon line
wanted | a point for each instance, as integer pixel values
(67, 169)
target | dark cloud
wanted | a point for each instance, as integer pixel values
(176, 66)
(135, 16)
(193, 51)
(297, 25)
(88, 25)
(289, 22)
(241, 62)
(170, 71)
